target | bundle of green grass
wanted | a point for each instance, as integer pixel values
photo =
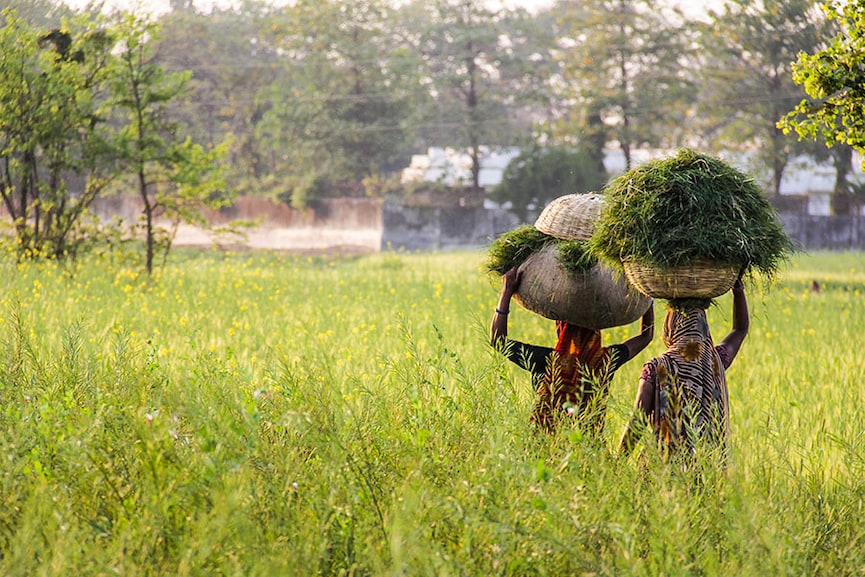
(562, 280)
(690, 223)
(512, 248)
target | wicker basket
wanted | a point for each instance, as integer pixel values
(700, 279)
(571, 217)
(594, 299)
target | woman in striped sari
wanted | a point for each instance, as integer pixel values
(683, 392)
(571, 379)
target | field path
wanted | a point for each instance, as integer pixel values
(301, 239)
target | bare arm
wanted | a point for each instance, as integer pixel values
(499, 325)
(741, 320)
(636, 344)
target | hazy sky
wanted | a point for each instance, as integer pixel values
(690, 7)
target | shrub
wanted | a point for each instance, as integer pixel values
(541, 174)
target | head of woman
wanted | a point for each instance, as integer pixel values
(686, 322)
(573, 338)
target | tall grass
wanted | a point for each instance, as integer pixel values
(262, 414)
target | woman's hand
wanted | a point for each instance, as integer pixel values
(738, 285)
(511, 281)
(499, 326)
(648, 320)
(647, 332)
(741, 319)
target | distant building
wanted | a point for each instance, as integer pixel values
(454, 168)
(803, 178)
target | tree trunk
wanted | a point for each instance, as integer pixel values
(148, 216)
(625, 140)
(841, 201)
(595, 139)
(472, 105)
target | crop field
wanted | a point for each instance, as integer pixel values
(261, 414)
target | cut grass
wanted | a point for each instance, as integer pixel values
(512, 248)
(687, 208)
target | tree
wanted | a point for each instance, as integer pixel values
(175, 177)
(53, 156)
(747, 83)
(338, 110)
(541, 174)
(473, 58)
(834, 77)
(231, 61)
(623, 73)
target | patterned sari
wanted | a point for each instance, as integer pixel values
(576, 380)
(691, 398)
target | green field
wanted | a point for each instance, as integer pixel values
(262, 414)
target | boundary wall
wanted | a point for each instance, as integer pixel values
(370, 225)
(443, 228)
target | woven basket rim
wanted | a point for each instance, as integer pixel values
(571, 217)
(697, 263)
(696, 279)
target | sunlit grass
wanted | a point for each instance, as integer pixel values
(264, 414)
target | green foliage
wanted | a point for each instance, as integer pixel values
(512, 248)
(231, 60)
(575, 256)
(833, 76)
(541, 174)
(174, 176)
(747, 48)
(52, 131)
(475, 60)
(688, 207)
(64, 138)
(379, 186)
(264, 414)
(623, 61)
(306, 189)
(339, 105)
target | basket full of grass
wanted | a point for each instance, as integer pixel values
(695, 280)
(561, 280)
(685, 226)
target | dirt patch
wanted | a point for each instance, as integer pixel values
(304, 240)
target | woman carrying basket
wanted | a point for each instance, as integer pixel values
(683, 392)
(573, 377)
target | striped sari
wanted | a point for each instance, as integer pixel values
(691, 399)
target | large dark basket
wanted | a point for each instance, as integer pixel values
(596, 298)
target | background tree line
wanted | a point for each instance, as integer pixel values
(329, 98)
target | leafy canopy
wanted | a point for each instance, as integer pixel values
(541, 174)
(835, 77)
